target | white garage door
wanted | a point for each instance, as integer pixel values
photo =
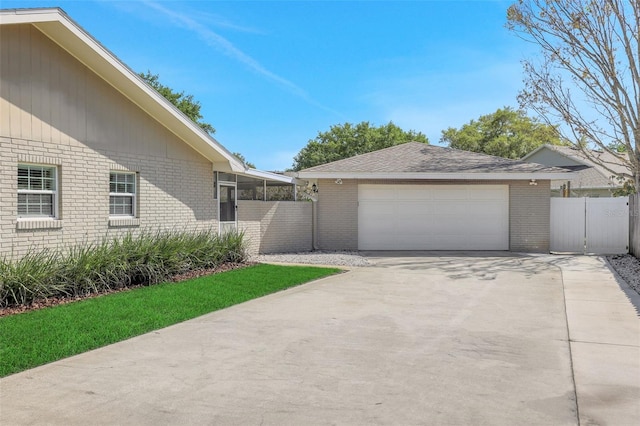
(433, 217)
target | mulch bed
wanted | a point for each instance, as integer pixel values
(62, 300)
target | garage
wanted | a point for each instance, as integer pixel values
(415, 196)
(433, 217)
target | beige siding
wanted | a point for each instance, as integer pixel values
(276, 226)
(51, 97)
(528, 207)
(53, 110)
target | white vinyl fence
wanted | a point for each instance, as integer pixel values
(590, 225)
(634, 225)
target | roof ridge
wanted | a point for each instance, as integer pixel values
(421, 160)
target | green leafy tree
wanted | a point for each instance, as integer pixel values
(244, 160)
(346, 140)
(506, 133)
(586, 74)
(185, 103)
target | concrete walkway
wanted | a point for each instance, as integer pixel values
(415, 340)
(603, 315)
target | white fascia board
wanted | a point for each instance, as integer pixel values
(29, 16)
(438, 176)
(81, 45)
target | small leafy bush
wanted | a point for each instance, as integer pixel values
(144, 259)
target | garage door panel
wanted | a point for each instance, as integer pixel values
(377, 207)
(493, 208)
(433, 217)
(409, 192)
(462, 226)
(447, 242)
(449, 195)
(487, 224)
(419, 210)
(487, 193)
(451, 208)
(373, 194)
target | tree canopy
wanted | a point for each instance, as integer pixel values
(185, 103)
(346, 140)
(507, 133)
(587, 74)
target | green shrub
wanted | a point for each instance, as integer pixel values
(148, 258)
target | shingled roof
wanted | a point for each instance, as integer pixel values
(591, 175)
(417, 160)
(606, 158)
(587, 178)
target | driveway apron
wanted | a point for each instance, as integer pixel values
(411, 341)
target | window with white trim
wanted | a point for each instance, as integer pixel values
(122, 194)
(37, 191)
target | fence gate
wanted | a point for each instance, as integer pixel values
(590, 225)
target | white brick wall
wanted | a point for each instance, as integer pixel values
(173, 194)
(276, 226)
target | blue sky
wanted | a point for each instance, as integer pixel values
(271, 74)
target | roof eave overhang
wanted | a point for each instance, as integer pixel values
(56, 25)
(260, 174)
(437, 176)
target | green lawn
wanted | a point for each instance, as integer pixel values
(39, 337)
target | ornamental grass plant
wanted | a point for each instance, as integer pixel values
(149, 257)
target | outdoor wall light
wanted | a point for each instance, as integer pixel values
(533, 182)
(338, 181)
(314, 188)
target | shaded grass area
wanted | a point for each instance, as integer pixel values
(38, 337)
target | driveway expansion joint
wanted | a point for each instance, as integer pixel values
(569, 340)
(605, 343)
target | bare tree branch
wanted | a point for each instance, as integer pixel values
(588, 74)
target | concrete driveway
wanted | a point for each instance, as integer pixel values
(414, 340)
